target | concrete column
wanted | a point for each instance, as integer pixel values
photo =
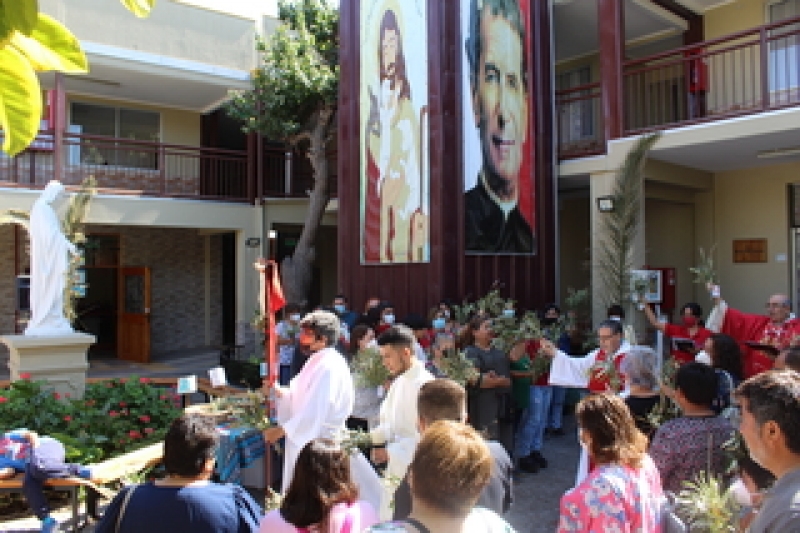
(602, 184)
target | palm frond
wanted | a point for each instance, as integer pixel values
(619, 227)
(16, 216)
(73, 227)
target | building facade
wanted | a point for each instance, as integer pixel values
(185, 200)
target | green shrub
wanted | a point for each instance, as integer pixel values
(114, 416)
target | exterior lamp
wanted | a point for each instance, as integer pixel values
(605, 204)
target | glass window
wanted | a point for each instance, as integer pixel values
(784, 51)
(117, 124)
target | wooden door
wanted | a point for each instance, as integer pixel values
(133, 326)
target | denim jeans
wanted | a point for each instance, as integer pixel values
(556, 407)
(530, 434)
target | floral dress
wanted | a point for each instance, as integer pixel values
(614, 499)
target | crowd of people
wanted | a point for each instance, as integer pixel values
(449, 454)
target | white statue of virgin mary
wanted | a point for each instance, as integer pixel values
(50, 251)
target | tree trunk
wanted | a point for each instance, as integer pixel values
(296, 270)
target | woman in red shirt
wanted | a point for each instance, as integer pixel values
(689, 328)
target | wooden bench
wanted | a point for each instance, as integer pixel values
(102, 473)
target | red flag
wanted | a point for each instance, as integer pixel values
(273, 302)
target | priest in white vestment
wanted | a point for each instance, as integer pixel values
(397, 426)
(318, 401)
(598, 371)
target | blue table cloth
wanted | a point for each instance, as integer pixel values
(238, 448)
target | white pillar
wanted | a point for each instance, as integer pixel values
(602, 184)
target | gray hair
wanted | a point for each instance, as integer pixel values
(323, 324)
(640, 367)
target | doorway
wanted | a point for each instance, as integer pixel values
(97, 310)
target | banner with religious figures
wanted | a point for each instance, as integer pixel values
(393, 121)
(497, 127)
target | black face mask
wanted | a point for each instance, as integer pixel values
(549, 321)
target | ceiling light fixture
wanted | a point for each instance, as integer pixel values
(780, 152)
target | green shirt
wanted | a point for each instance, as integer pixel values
(521, 387)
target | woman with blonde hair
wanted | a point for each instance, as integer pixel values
(623, 490)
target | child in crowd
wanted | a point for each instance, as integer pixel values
(40, 458)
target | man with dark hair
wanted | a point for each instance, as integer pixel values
(318, 401)
(770, 409)
(348, 316)
(397, 428)
(444, 399)
(599, 370)
(686, 446)
(499, 87)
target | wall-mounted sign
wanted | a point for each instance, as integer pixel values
(750, 250)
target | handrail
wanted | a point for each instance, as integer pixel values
(711, 42)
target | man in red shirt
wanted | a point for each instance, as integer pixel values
(776, 329)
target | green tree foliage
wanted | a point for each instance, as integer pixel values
(298, 76)
(32, 42)
(293, 99)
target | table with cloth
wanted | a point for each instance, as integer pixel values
(238, 448)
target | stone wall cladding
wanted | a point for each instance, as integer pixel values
(176, 258)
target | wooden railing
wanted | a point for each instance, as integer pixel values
(579, 121)
(751, 71)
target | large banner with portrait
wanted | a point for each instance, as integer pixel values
(393, 122)
(497, 127)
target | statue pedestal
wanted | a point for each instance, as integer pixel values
(60, 360)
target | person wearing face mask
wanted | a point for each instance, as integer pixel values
(387, 318)
(688, 330)
(287, 330)
(551, 321)
(318, 401)
(347, 316)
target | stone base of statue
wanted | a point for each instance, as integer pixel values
(59, 359)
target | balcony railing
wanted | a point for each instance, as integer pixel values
(130, 166)
(300, 179)
(157, 169)
(752, 71)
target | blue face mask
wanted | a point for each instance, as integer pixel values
(439, 323)
(340, 308)
(508, 313)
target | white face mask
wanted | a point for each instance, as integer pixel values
(389, 319)
(618, 319)
(741, 494)
(294, 318)
(508, 313)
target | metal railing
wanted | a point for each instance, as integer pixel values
(751, 71)
(131, 166)
(748, 72)
(159, 169)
